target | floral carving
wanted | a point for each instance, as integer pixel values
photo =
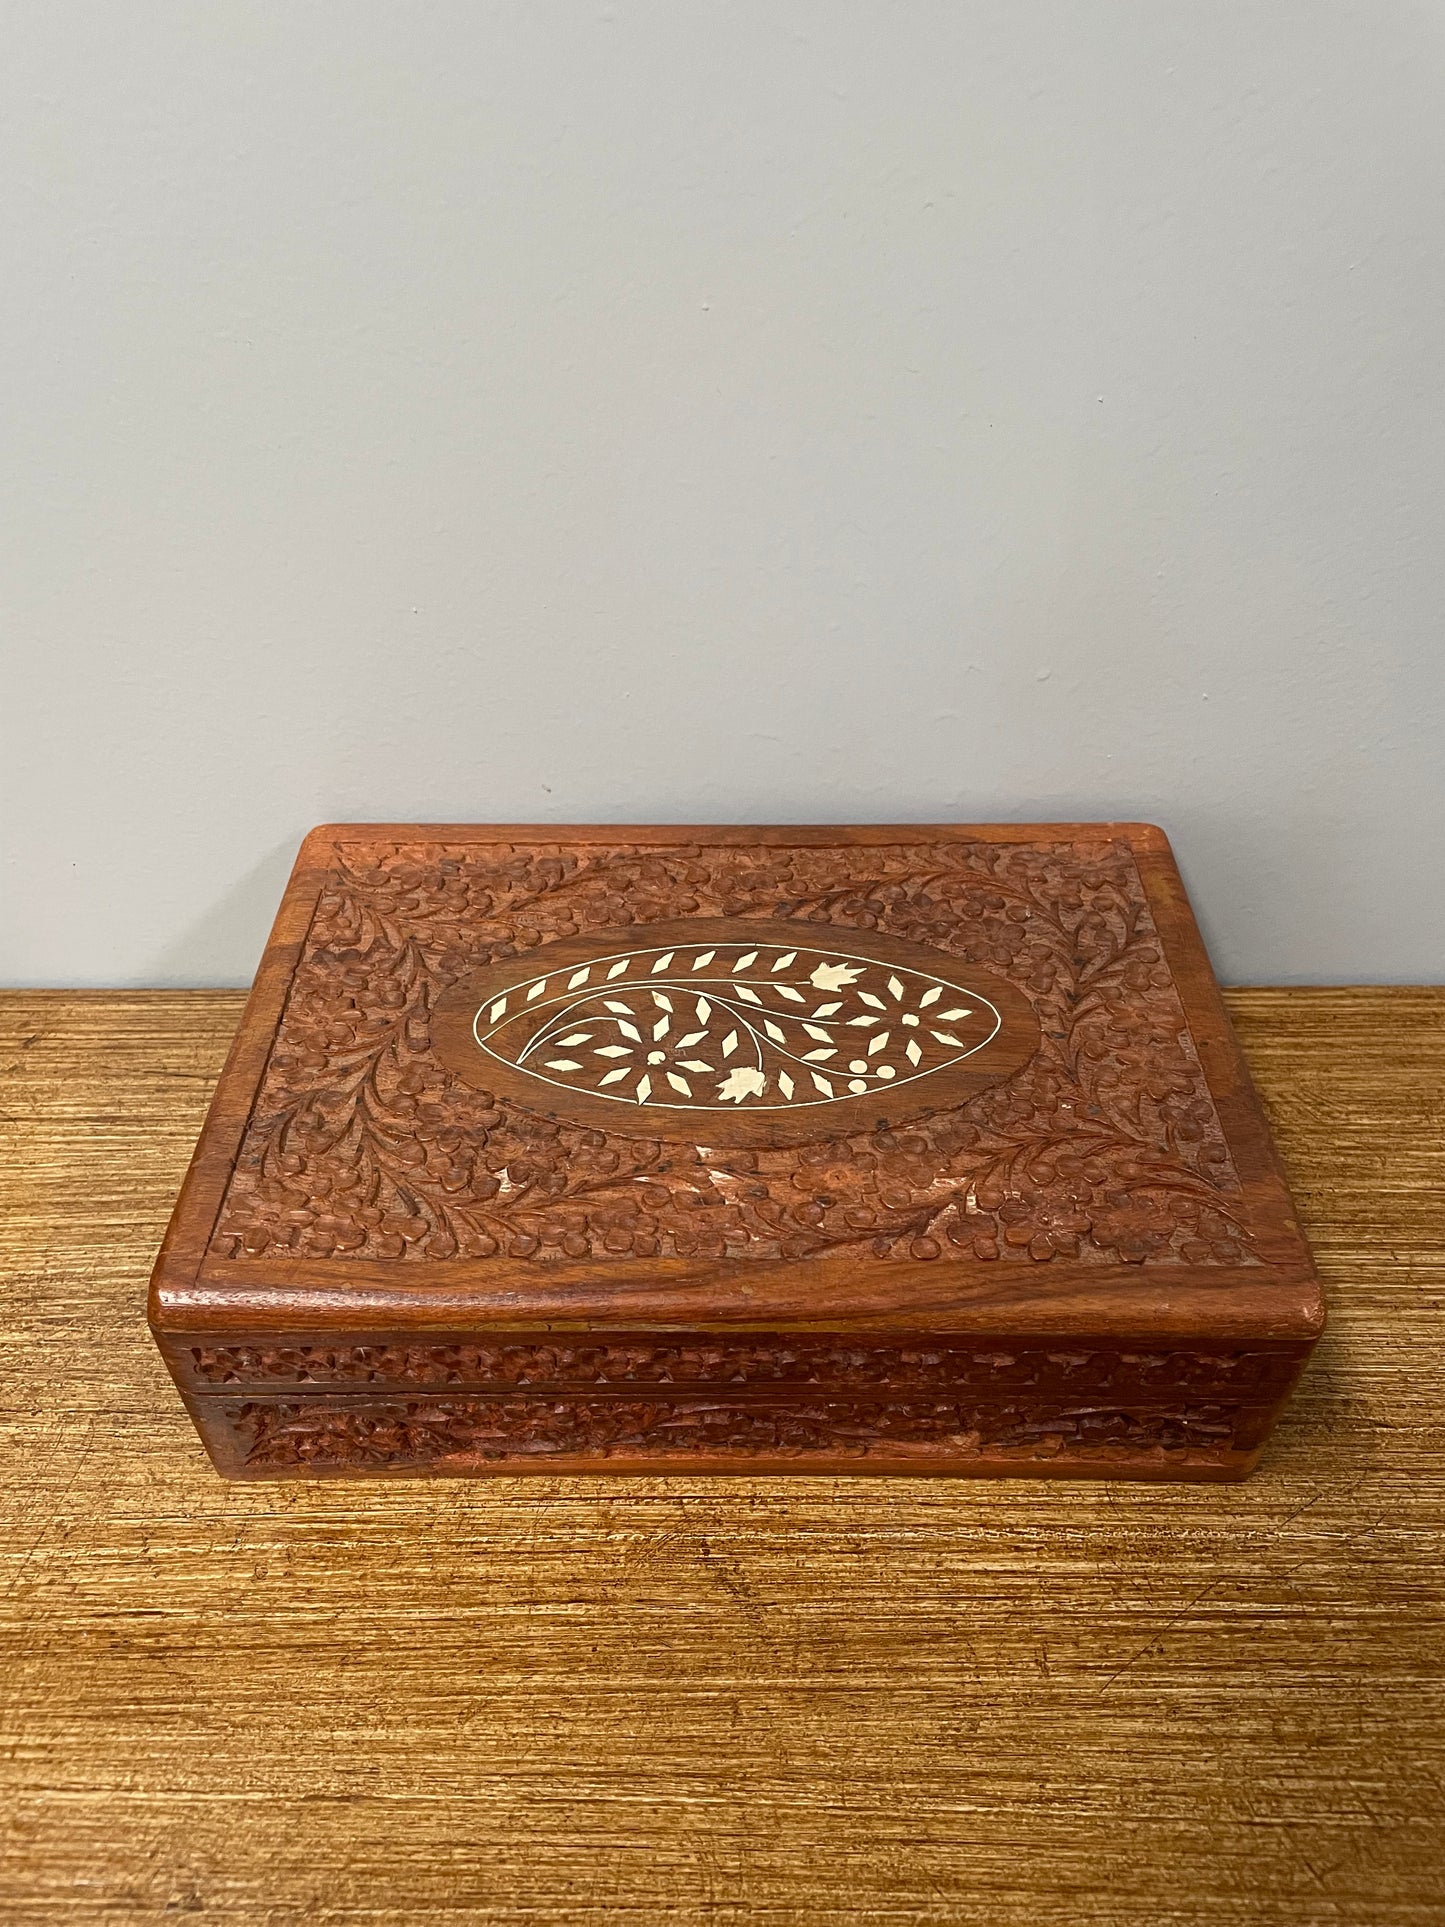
(320, 1435)
(751, 1364)
(1105, 1147)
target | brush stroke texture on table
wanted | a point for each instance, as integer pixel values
(674, 1700)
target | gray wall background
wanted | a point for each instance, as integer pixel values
(756, 411)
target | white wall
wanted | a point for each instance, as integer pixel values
(743, 410)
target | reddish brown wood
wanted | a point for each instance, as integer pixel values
(1048, 1236)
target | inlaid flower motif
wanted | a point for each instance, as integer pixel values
(706, 1025)
(833, 976)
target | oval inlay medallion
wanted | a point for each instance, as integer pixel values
(734, 1032)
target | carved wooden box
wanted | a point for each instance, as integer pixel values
(735, 1150)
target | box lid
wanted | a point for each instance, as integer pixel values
(964, 1078)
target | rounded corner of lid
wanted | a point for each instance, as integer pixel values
(1148, 836)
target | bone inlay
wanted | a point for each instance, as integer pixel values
(699, 1027)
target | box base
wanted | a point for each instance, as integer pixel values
(287, 1438)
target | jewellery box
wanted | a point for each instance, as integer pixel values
(871, 1149)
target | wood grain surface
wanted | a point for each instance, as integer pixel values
(753, 1700)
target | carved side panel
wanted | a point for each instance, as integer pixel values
(1105, 1147)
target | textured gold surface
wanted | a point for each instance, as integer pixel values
(662, 1700)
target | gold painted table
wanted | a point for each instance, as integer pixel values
(675, 1700)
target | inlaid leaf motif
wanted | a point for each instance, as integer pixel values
(755, 1033)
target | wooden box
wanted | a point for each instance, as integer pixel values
(921, 1149)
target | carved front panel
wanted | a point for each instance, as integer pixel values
(1103, 1146)
(278, 1437)
(749, 1365)
(317, 1408)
